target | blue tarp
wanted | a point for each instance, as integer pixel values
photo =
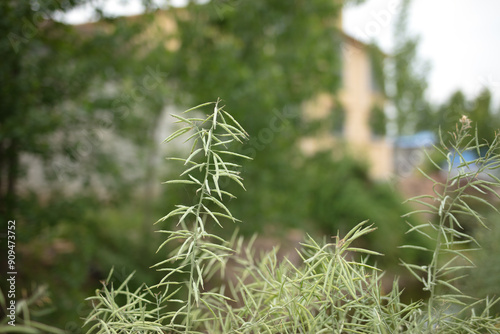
(418, 140)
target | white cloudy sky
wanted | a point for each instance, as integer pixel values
(459, 38)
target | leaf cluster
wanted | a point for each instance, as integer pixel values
(27, 309)
(452, 200)
(332, 289)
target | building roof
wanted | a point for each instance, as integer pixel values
(418, 140)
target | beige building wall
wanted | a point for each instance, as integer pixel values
(380, 156)
(356, 95)
(357, 98)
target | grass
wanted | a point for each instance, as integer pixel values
(334, 289)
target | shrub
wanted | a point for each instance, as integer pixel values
(333, 290)
(25, 309)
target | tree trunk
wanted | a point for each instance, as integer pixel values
(2, 176)
(9, 170)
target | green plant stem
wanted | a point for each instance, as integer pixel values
(195, 238)
(433, 267)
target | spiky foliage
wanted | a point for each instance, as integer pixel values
(199, 252)
(19, 317)
(330, 292)
(332, 289)
(448, 308)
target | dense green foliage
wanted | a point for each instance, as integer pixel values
(266, 59)
(330, 290)
(66, 93)
(484, 280)
(479, 108)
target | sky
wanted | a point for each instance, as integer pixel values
(459, 39)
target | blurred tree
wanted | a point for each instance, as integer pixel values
(264, 59)
(64, 88)
(378, 75)
(449, 112)
(378, 121)
(37, 74)
(478, 109)
(408, 78)
(67, 95)
(482, 113)
(29, 43)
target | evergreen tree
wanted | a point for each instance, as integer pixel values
(408, 78)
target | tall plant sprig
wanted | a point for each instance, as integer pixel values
(198, 255)
(199, 251)
(451, 244)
